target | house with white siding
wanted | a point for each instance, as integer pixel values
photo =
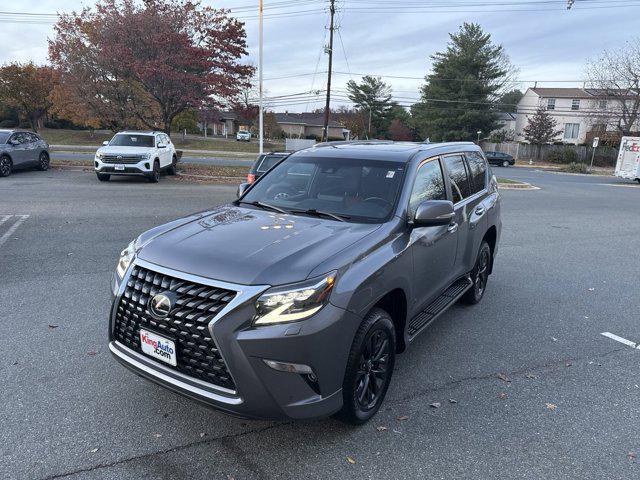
(577, 112)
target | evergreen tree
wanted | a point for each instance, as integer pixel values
(373, 98)
(541, 128)
(466, 79)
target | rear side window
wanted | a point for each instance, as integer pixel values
(478, 171)
(458, 176)
(429, 185)
(268, 162)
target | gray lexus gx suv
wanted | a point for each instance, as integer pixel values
(294, 300)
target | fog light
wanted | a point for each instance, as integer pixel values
(147, 166)
(96, 164)
(290, 367)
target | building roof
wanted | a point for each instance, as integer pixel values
(507, 117)
(561, 92)
(306, 119)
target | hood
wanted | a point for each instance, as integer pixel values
(251, 247)
(123, 150)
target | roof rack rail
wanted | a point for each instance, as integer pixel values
(353, 142)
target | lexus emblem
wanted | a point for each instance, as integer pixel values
(160, 305)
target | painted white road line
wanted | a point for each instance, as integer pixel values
(12, 228)
(624, 341)
(4, 218)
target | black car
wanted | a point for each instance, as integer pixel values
(22, 149)
(263, 163)
(293, 301)
(499, 158)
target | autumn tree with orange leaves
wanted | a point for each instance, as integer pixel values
(27, 88)
(132, 64)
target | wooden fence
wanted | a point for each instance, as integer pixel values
(604, 156)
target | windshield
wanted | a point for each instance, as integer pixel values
(4, 136)
(356, 189)
(124, 140)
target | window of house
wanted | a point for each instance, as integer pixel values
(602, 104)
(551, 104)
(478, 170)
(571, 130)
(458, 176)
(429, 185)
(575, 104)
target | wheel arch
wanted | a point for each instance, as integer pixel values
(491, 237)
(395, 304)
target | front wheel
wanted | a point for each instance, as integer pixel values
(369, 368)
(154, 176)
(479, 275)
(43, 161)
(506, 163)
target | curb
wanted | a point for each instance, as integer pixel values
(517, 186)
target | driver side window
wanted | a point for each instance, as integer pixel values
(428, 185)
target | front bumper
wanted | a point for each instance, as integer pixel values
(143, 167)
(321, 342)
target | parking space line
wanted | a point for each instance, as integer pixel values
(4, 218)
(12, 228)
(624, 341)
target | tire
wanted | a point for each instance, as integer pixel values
(43, 162)
(5, 166)
(103, 177)
(171, 169)
(638, 180)
(372, 357)
(479, 276)
(154, 176)
(506, 163)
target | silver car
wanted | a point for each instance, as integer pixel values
(21, 149)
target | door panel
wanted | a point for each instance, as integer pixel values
(433, 248)
(19, 152)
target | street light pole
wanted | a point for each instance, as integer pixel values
(260, 67)
(479, 132)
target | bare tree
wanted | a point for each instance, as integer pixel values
(615, 77)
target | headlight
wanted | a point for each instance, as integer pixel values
(99, 155)
(126, 257)
(146, 156)
(292, 303)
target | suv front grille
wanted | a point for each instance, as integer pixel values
(187, 323)
(124, 159)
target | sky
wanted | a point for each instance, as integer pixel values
(545, 41)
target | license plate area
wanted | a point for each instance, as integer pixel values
(158, 347)
(119, 168)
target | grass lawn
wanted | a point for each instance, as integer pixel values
(509, 181)
(86, 138)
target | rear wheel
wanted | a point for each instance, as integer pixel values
(369, 368)
(171, 170)
(43, 161)
(5, 166)
(103, 177)
(154, 176)
(638, 180)
(506, 163)
(479, 275)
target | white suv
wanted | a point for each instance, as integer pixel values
(243, 136)
(136, 153)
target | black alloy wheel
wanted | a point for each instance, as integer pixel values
(479, 275)
(154, 176)
(369, 368)
(5, 166)
(43, 161)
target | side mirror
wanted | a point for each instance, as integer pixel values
(105, 143)
(162, 145)
(242, 188)
(431, 213)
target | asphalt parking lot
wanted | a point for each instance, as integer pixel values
(523, 385)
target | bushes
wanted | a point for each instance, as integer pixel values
(574, 167)
(563, 155)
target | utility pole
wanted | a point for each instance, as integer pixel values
(325, 130)
(261, 64)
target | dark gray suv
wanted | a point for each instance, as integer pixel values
(21, 149)
(293, 301)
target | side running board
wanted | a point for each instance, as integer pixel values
(439, 306)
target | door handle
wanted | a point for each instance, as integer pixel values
(452, 228)
(480, 210)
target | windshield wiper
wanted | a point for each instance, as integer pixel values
(266, 206)
(319, 213)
